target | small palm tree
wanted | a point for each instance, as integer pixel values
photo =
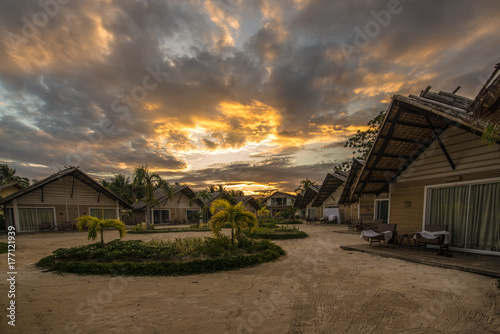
(96, 225)
(263, 212)
(150, 181)
(236, 215)
(203, 196)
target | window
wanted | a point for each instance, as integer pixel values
(30, 219)
(160, 216)
(381, 209)
(103, 213)
(471, 211)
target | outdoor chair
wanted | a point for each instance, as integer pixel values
(375, 224)
(45, 226)
(66, 226)
(382, 236)
(356, 224)
(438, 240)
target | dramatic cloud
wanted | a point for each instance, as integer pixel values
(251, 94)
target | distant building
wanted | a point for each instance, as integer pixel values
(279, 201)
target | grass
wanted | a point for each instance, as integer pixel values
(3, 247)
(159, 257)
(278, 233)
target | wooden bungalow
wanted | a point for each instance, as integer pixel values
(431, 160)
(278, 202)
(365, 206)
(249, 202)
(305, 205)
(58, 200)
(176, 209)
(328, 196)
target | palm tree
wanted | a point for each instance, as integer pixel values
(304, 184)
(120, 185)
(96, 225)
(263, 212)
(236, 215)
(211, 189)
(8, 175)
(149, 182)
(202, 196)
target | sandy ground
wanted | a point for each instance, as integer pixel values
(315, 288)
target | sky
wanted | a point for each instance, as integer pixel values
(256, 95)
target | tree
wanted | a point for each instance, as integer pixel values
(120, 185)
(149, 182)
(203, 196)
(304, 184)
(239, 218)
(235, 193)
(8, 175)
(363, 141)
(263, 212)
(97, 225)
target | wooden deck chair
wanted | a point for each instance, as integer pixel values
(438, 240)
(382, 228)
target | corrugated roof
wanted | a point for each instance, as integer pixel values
(72, 171)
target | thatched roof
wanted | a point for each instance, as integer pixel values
(410, 126)
(297, 201)
(72, 171)
(308, 196)
(486, 105)
(281, 194)
(332, 181)
(347, 193)
(162, 196)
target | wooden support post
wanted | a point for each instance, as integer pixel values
(436, 137)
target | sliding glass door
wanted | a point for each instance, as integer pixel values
(471, 211)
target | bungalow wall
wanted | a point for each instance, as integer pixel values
(350, 211)
(69, 200)
(473, 159)
(178, 207)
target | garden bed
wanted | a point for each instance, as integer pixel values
(164, 258)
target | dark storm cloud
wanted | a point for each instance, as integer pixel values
(110, 86)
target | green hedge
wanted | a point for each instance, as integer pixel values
(280, 236)
(167, 230)
(161, 268)
(3, 247)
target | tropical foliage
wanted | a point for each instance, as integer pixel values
(236, 215)
(96, 226)
(158, 257)
(363, 141)
(150, 181)
(304, 184)
(263, 212)
(8, 175)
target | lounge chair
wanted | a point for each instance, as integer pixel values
(438, 240)
(382, 234)
(45, 226)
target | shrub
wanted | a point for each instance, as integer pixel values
(3, 247)
(127, 257)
